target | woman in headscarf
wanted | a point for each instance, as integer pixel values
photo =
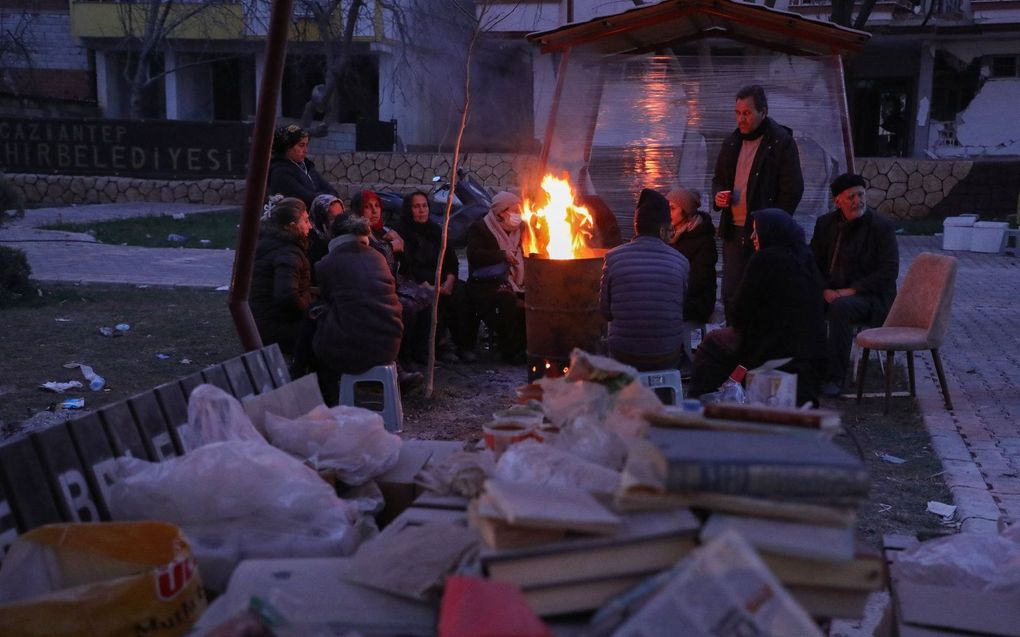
(496, 273)
(291, 173)
(325, 209)
(422, 242)
(281, 280)
(778, 312)
(694, 237)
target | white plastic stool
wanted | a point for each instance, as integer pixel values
(392, 409)
(664, 379)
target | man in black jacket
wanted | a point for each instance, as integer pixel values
(856, 252)
(758, 167)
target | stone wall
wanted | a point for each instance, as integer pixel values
(910, 188)
(349, 172)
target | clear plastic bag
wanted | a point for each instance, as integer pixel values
(968, 560)
(352, 441)
(537, 463)
(589, 439)
(563, 401)
(236, 500)
(216, 416)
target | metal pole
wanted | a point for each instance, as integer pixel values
(258, 168)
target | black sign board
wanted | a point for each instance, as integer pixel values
(125, 148)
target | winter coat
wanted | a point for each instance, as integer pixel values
(485, 259)
(779, 312)
(286, 178)
(361, 327)
(698, 246)
(867, 257)
(642, 296)
(421, 251)
(280, 286)
(774, 181)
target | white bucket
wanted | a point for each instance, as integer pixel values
(988, 236)
(956, 232)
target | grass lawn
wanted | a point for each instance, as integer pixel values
(214, 230)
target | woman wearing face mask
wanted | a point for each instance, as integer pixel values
(778, 312)
(281, 280)
(694, 237)
(496, 273)
(291, 173)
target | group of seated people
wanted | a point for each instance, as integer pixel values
(794, 300)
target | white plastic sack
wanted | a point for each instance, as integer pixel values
(536, 463)
(563, 401)
(216, 416)
(629, 406)
(236, 500)
(589, 439)
(968, 560)
(350, 440)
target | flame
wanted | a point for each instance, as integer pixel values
(560, 229)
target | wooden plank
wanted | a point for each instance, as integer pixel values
(189, 383)
(237, 376)
(97, 458)
(175, 413)
(8, 524)
(152, 425)
(277, 364)
(261, 379)
(24, 480)
(214, 375)
(66, 474)
(125, 437)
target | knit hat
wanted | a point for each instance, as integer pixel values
(503, 200)
(847, 180)
(689, 201)
(652, 212)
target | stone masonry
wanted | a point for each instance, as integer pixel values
(910, 188)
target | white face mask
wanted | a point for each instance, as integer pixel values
(514, 220)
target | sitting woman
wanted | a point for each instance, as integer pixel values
(281, 280)
(694, 237)
(360, 326)
(422, 242)
(325, 210)
(778, 312)
(496, 273)
(291, 173)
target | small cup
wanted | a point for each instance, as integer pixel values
(500, 435)
(519, 414)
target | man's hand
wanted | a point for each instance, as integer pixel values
(832, 295)
(447, 288)
(722, 199)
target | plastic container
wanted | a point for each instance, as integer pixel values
(988, 236)
(957, 231)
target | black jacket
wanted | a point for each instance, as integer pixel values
(421, 251)
(861, 254)
(698, 246)
(775, 180)
(286, 178)
(280, 286)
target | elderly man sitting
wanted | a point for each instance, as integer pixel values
(856, 252)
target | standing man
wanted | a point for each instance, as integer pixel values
(758, 167)
(856, 252)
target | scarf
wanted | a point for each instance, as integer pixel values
(511, 244)
(756, 133)
(686, 225)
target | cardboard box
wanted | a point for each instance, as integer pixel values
(945, 610)
(770, 386)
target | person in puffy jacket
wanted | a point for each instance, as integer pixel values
(281, 280)
(644, 283)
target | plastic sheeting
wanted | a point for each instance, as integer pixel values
(658, 122)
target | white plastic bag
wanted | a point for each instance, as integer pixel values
(536, 463)
(350, 440)
(216, 416)
(588, 438)
(563, 401)
(629, 406)
(236, 500)
(968, 560)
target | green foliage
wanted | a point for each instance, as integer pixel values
(14, 274)
(218, 229)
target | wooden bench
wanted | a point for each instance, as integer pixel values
(63, 473)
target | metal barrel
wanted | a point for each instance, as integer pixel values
(561, 303)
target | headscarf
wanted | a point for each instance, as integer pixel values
(366, 196)
(287, 136)
(689, 202)
(777, 229)
(509, 242)
(320, 213)
(429, 229)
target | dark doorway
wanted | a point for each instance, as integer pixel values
(880, 113)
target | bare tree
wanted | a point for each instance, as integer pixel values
(15, 50)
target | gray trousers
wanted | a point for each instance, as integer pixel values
(843, 315)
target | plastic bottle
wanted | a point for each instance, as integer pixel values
(97, 382)
(731, 391)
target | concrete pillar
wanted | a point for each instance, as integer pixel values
(102, 83)
(170, 86)
(260, 65)
(925, 76)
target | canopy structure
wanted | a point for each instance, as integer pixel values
(645, 97)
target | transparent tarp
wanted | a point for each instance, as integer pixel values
(631, 122)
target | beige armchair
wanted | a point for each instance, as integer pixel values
(917, 320)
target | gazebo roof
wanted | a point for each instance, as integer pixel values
(673, 22)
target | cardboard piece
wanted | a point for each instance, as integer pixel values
(957, 609)
(770, 386)
(397, 485)
(294, 399)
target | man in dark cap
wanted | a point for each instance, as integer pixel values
(642, 293)
(856, 252)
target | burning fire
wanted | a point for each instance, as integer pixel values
(560, 229)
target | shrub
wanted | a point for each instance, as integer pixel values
(14, 274)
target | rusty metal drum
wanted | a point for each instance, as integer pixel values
(561, 303)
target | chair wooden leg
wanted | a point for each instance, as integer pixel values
(942, 377)
(865, 355)
(910, 372)
(888, 379)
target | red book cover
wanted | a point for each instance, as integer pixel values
(478, 607)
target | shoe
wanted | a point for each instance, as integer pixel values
(831, 389)
(410, 381)
(467, 356)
